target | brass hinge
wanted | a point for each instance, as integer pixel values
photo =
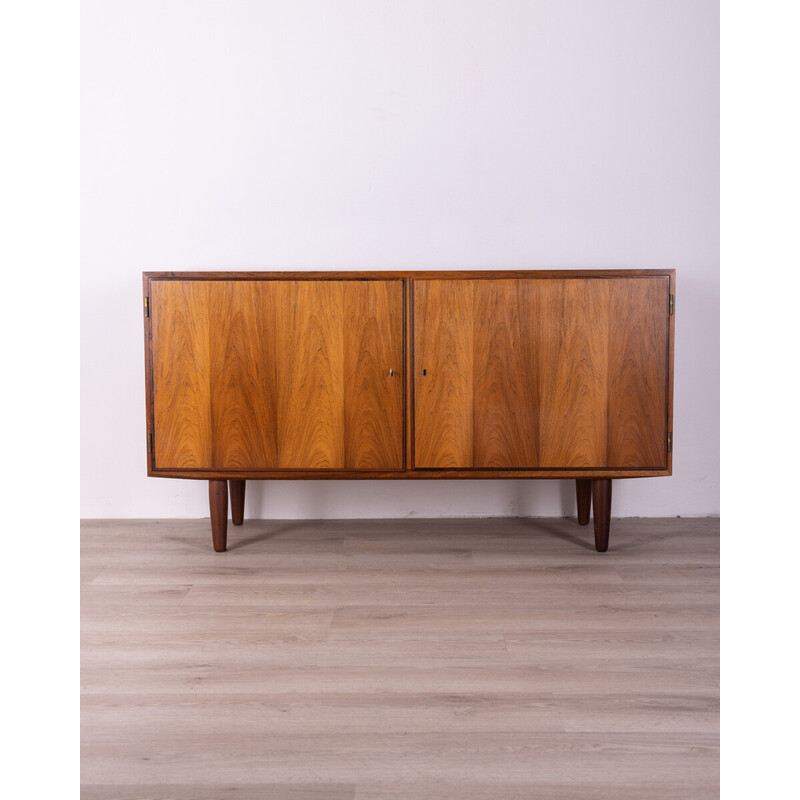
(150, 443)
(669, 442)
(672, 304)
(147, 306)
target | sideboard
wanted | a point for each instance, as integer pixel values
(415, 375)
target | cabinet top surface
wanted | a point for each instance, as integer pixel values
(417, 274)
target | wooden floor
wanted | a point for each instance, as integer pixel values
(472, 659)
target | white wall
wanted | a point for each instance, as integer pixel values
(433, 134)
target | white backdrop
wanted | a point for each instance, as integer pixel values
(441, 134)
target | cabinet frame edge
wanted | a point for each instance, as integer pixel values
(408, 472)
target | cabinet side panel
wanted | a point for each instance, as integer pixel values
(243, 382)
(637, 413)
(373, 399)
(310, 368)
(572, 357)
(181, 374)
(505, 402)
(443, 373)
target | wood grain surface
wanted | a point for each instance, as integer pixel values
(253, 375)
(569, 325)
(373, 398)
(495, 374)
(444, 315)
(637, 371)
(242, 380)
(181, 373)
(310, 366)
(408, 659)
(504, 391)
(559, 373)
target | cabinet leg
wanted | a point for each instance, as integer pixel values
(218, 503)
(583, 491)
(237, 501)
(601, 500)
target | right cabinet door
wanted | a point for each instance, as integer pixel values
(541, 373)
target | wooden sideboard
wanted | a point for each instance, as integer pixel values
(417, 375)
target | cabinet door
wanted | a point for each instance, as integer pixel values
(338, 405)
(273, 374)
(540, 373)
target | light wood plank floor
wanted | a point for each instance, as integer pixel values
(486, 659)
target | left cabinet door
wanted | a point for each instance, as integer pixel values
(277, 374)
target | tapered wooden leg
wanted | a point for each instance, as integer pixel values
(583, 491)
(237, 501)
(218, 503)
(601, 500)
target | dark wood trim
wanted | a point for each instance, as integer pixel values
(601, 502)
(148, 373)
(416, 474)
(218, 506)
(670, 368)
(583, 493)
(409, 274)
(237, 488)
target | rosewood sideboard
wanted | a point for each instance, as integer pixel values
(416, 375)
